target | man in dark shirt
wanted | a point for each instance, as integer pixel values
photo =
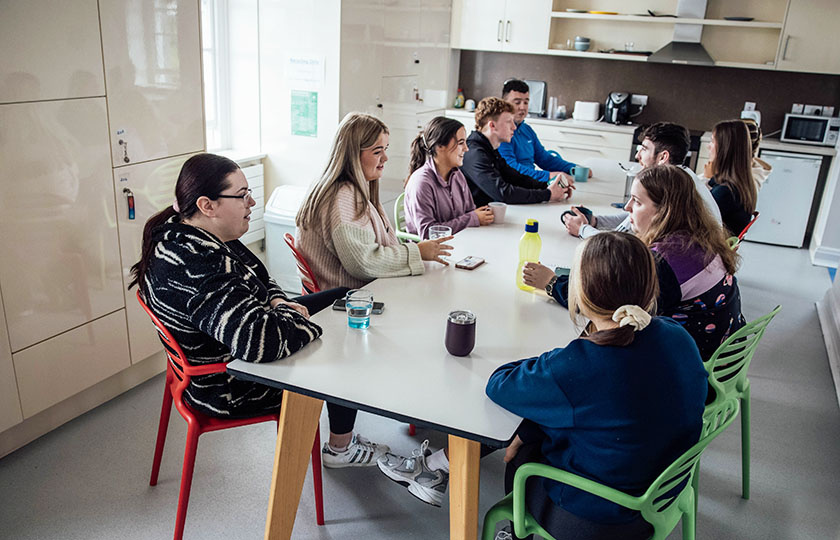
(489, 176)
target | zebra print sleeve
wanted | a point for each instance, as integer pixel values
(226, 309)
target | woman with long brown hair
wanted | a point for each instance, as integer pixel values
(600, 403)
(342, 229)
(731, 177)
(436, 191)
(694, 264)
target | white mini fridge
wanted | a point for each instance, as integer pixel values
(784, 202)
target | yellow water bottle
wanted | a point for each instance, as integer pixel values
(529, 250)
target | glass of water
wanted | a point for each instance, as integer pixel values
(439, 231)
(359, 303)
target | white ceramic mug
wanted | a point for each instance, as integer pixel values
(499, 209)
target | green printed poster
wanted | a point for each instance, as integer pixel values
(304, 113)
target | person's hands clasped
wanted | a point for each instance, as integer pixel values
(300, 308)
(578, 220)
(537, 275)
(559, 191)
(485, 215)
(435, 250)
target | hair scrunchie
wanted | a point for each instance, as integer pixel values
(423, 140)
(175, 206)
(632, 315)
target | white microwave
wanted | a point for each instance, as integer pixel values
(808, 129)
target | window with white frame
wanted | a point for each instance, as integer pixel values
(230, 52)
(216, 63)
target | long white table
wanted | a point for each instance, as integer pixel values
(399, 367)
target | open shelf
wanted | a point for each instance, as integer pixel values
(664, 20)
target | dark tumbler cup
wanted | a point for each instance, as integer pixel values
(460, 333)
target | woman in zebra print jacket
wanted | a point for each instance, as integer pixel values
(219, 302)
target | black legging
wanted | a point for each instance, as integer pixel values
(342, 419)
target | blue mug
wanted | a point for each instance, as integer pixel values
(580, 174)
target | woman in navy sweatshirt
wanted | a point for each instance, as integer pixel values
(616, 405)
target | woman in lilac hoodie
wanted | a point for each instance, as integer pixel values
(436, 192)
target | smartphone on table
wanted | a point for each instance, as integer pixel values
(341, 305)
(469, 263)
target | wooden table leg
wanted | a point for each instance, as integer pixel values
(464, 466)
(299, 417)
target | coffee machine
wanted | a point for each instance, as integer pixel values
(618, 108)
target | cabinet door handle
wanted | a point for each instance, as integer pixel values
(129, 197)
(580, 148)
(507, 32)
(784, 52)
(499, 32)
(576, 134)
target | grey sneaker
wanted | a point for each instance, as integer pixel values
(504, 533)
(360, 453)
(427, 485)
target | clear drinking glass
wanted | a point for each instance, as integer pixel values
(439, 231)
(359, 303)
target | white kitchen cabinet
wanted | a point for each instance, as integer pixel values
(60, 266)
(396, 63)
(68, 363)
(10, 413)
(501, 25)
(51, 50)
(152, 184)
(809, 38)
(152, 58)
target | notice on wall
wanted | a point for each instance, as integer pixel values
(304, 113)
(305, 71)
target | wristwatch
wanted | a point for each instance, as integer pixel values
(550, 285)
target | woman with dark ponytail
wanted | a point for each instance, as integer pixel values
(436, 191)
(220, 303)
(617, 405)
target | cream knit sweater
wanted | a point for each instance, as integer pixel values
(346, 251)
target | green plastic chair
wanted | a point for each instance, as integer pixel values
(663, 510)
(399, 221)
(728, 377)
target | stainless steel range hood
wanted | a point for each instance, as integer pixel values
(686, 47)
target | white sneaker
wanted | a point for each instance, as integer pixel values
(360, 453)
(427, 485)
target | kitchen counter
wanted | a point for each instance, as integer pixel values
(568, 122)
(773, 143)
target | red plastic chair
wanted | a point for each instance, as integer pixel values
(178, 374)
(309, 284)
(307, 277)
(750, 224)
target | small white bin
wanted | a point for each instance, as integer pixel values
(280, 212)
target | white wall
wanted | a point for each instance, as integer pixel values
(306, 29)
(825, 243)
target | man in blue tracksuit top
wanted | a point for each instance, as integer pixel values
(525, 151)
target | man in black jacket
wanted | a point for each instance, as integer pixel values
(489, 176)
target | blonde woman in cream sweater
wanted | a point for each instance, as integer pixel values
(342, 230)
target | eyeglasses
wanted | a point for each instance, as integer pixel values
(245, 198)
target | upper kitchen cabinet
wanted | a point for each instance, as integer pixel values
(152, 56)
(809, 41)
(60, 266)
(51, 50)
(501, 25)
